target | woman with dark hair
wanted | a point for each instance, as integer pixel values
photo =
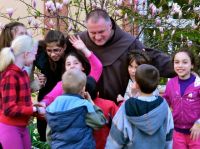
(50, 61)
(74, 60)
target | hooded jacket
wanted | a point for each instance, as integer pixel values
(142, 124)
(71, 119)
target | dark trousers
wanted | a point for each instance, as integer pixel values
(41, 127)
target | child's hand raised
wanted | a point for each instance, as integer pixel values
(79, 45)
(77, 42)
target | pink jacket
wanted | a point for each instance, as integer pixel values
(186, 108)
(95, 72)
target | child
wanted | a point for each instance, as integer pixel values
(8, 34)
(71, 117)
(135, 59)
(15, 97)
(75, 60)
(109, 109)
(182, 95)
(143, 122)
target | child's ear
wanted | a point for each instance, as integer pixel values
(83, 69)
(25, 54)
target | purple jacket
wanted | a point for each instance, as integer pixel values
(186, 108)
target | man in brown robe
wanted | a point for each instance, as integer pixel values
(111, 45)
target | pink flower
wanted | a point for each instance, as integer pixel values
(117, 12)
(135, 8)
(30, 19)
(94, 5)
(158, 21)
(119, 2)
(66, 2)
(50, 6)
(10, 11)
(135, 2)
(35, 24)
(153, 9)
(161, 29)
(51, 23)
(59, 6)
(34, 3)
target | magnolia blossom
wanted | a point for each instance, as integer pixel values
(50, 6)
(34, 3)
(119, 2)
(94, 5)
(153, 9)
(135, 2)
(10, 12)
(59, 6)
(118, 12)
(175, 9)
(158, 21)
(66, 2)
(51, 23)
(30, 19)
(135, 7)
(161, 29)
(35, 24)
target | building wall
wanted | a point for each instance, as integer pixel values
(20, 10)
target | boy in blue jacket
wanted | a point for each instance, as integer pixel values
(70, 117)
(143, 122)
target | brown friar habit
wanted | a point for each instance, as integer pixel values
(114, 57)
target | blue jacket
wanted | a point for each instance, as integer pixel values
(66, 119)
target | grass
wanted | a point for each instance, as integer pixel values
(36, 143)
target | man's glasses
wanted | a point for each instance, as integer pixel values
(56, 51)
